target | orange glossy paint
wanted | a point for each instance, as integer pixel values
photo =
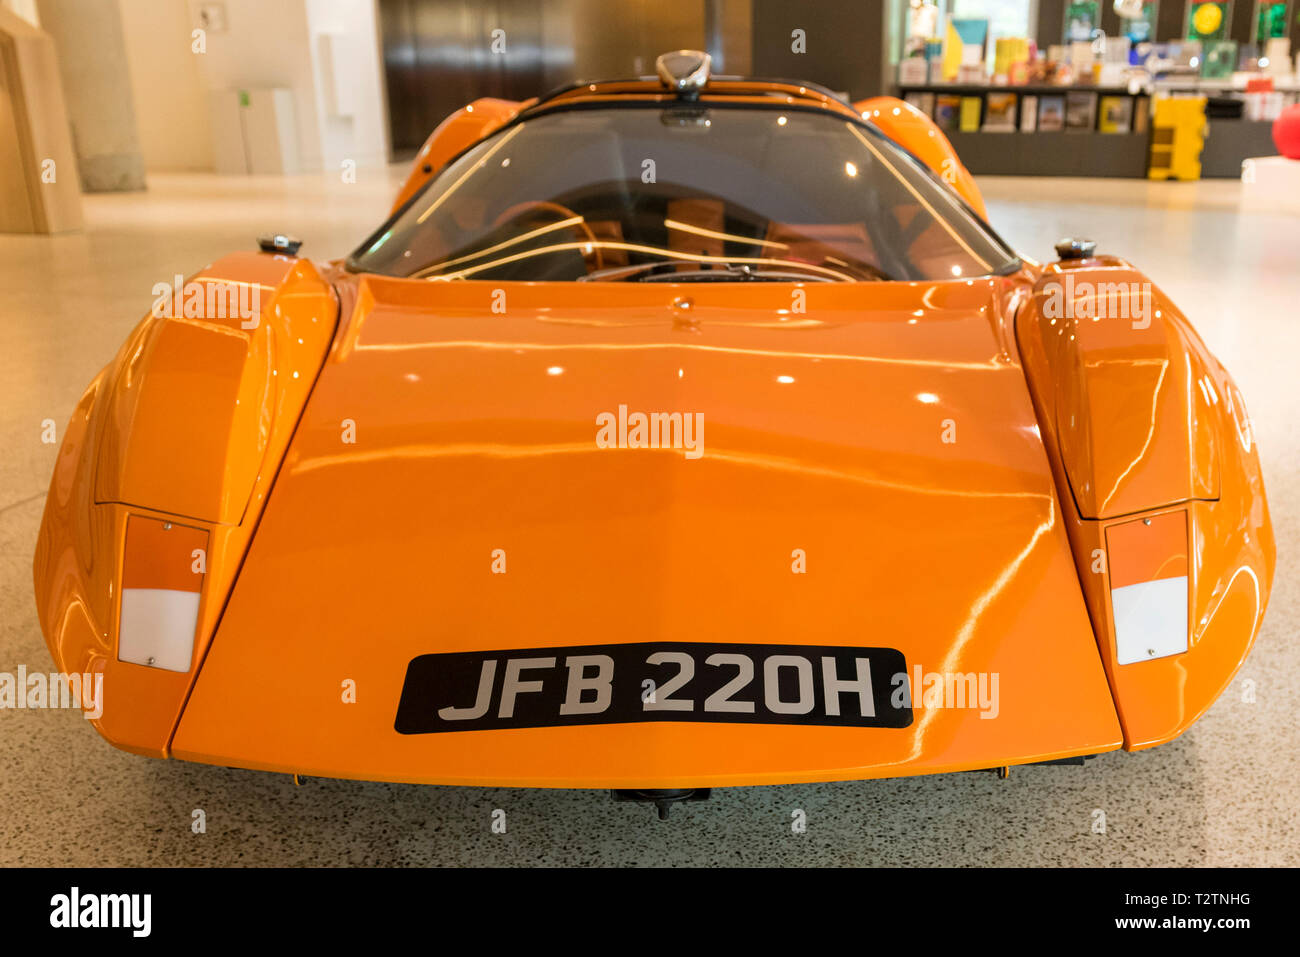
(1147, 549)
(181, 445)
(1123, 337)
(476, 431)
(1145, 459)
(160, 554)
(423, 432)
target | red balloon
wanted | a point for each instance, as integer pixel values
(1286, 132)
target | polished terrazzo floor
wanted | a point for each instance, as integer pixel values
(1228, 792)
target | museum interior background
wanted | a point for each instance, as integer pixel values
(244, 86)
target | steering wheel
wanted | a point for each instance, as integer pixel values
(594, 259)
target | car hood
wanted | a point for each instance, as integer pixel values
(870, 474)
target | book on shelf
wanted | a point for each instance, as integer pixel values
(1080, 112)
(1141, 114)
(971, 107)
(1051, 114)
(913, 71)
(947, 108)
(1220, 59)
(1116, 114)
(1000, 112)
(1028, 113)
(1007, 52)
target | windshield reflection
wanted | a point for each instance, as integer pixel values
(616, 195)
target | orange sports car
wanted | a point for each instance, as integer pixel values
(670, 434)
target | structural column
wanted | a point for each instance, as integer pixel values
(97, 87)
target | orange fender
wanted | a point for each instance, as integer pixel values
(466, 126)
(913, 130)
(182, 433)
(1158, 476)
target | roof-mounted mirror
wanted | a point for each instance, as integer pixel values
(685, 71)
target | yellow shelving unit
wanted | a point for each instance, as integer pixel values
(1178, 129)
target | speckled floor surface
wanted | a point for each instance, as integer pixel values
(1228, 792)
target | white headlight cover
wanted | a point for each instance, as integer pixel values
(163, 566)
(157, 627)
(1150, 619)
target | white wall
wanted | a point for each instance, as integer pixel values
(340, 110)
(275, 43)
(265, 44)
(350, 102)
(91, 44)
(171, 103)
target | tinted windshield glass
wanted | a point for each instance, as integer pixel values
(645, 194)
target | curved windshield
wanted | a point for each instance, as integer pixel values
(723, 193)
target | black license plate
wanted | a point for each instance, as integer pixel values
(653, 681)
